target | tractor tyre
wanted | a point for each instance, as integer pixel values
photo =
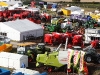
(98, 60)
(50, 69)
(30, 59)
(88, 58)
(65, 69)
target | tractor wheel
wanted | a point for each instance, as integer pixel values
(67, 70)
(88, 58)
(98, 60)
(30, 59)
(50, 69)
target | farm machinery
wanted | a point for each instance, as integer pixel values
(56, 38)
(59, 25)
(91, 56)
(31, 49)
(34, 16)
(86, 21)
(67, 60)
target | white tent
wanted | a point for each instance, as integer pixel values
(76, 10)
(32, 9)
(73, 8)
(13, 60)
(18, 29)
(14, 4)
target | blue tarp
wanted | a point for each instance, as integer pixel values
(4, 71)
(44, 73)
(54, 6)
(19, 73)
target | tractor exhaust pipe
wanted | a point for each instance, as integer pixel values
(58, 47)
(66, 43)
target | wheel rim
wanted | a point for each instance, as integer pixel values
(99, 61)
(89, 59)
(30, 60)
(69, 70)
(49, 70)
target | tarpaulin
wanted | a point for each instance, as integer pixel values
(4, 4)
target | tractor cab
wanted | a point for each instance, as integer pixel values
(41, 45)
(40, 48)
(23, 47)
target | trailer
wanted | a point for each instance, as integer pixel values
(92, 34)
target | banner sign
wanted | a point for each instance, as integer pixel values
(81, 68)
(69, 57)
(76, 57)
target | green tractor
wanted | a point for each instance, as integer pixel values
(59, 25)
(53, 28)
(90, 23)
(32, 49)
(55, 25)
